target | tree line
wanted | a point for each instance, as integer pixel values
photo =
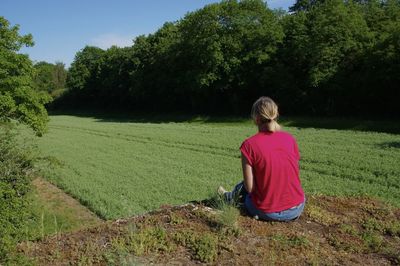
(326, 57)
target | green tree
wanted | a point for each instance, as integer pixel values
(18, 99)
(324, 45)
(83, 76)
(117, 66)
(380, 73)
(230, 46)
(85, 68)
(50, 78)
(156, 76)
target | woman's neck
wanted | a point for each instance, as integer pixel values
(262, 128)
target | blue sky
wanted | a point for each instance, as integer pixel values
(60, 28)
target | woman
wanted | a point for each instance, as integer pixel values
(270, 162)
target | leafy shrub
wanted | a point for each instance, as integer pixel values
(18, 99)
(16, 170)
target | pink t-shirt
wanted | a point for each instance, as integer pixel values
(274, 158)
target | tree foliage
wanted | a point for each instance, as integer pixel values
(323, 57)
(18, 99)
(50, 78)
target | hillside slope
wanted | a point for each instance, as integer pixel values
(332, 230)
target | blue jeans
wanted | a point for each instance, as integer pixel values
(282, 216)
(240, 197)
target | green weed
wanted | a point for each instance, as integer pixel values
(321, 216)
(175, 219)
(119, 253)
(151, 239)
(348, 229)
(290, 241)
(204, 246)
(372, 224)
(341, 242)
(227, 220)
(393, 228)
(373, 241)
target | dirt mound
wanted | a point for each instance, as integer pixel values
(332, 230)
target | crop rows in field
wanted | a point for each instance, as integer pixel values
(121, 169)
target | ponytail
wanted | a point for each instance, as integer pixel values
(266, 110)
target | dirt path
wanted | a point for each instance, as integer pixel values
(56, 202)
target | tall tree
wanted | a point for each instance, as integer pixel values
(325, 44)
(50, 78)
(229, 45)
(18, 99)
(82, 79)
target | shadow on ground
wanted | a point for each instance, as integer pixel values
(390, 145)
(357, 124)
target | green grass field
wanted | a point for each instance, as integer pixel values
(119, 168)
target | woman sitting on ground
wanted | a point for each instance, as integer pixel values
(270, 161)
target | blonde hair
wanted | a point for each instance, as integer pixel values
(266, 110)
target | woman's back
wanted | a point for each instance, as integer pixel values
(271, 186)
(274, 158)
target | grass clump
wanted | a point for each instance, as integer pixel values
(227, 216)
(175, 219)
(353, 244)
(91, 254)
(290, 241)
(372, 224)
(393, 228)
(321, 216)
(348, 229)
(203, 246)
(150, 239)
(373, 241)
(227, 220)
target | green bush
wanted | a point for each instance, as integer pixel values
(16, 170)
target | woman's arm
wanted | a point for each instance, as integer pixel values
(247, 174)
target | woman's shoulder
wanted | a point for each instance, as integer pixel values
(284, 133)
(261, 136)
(285, 136)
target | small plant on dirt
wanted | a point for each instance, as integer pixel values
(373, 241)
(204, 246)
(227, 216)
(348, 229)
(393, 228)
(90, 255)
(340, 242)
(118, 245)
(320, 215)
(291, 241)
(120, 256)
(150, 239)
(372, 224)
(117, 252)
(175, 219)
(228, 220)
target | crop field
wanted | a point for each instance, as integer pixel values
(121, 168)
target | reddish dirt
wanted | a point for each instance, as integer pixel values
(331, 231)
